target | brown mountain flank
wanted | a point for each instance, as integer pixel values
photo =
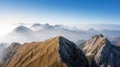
(38, 54)
(56, 52)
(8, 54)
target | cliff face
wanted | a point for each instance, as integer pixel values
(101, 53)
(56, 52)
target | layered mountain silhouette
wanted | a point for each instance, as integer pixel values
(19, 34)
(21, 29)
(101, 53)
(38, 26)
(75, 32)
(92, 31)
(108, 33)
(54, 52)
(40, 32)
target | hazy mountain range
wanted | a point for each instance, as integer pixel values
(40, 32)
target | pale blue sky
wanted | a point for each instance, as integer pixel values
(60, 11)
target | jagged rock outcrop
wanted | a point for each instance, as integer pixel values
(101, 53)
(92, 46)
(56, 52)
(107, 56)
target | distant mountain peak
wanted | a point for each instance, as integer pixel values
(22, 29)
(36, 25)
(93, 44)
(47, 24)
(92, 30)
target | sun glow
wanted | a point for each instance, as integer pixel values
(5, 29)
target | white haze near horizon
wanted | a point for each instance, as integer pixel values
(6, 28)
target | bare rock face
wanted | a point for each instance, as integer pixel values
(101, 53)
(92, 46)
(56, 52)
(107, 56)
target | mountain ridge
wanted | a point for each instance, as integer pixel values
(58, 52)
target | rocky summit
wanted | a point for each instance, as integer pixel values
(107, 56)
(92, 46)
(55, 52)
(101, 53)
